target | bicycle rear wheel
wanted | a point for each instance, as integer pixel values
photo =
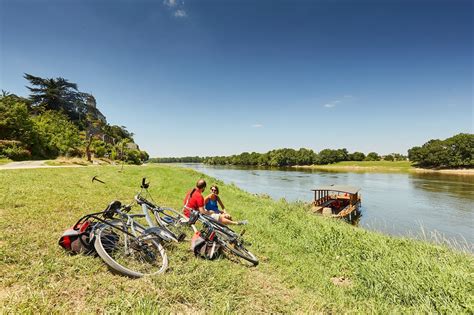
(132, 256)
(237, 248)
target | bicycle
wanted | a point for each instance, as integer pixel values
(126, 246)
(224, 236)
(164, 217)
(168, 218)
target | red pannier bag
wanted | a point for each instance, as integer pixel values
(79, 239)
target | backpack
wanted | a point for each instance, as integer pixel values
(78, 239)
(204, 246)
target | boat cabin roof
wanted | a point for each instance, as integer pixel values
(339, 188)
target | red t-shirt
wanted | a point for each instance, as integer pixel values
(195, 202)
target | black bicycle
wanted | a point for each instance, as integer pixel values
(126, 246)
(224, 236)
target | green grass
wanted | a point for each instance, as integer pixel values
(300, 253)
(368, 166)
(4, 160)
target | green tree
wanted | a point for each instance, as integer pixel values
(356, 156)
(372, 156)
(52, 94)
(388, 157)
(56, 135)
(15, 122)
(461, 150)
(454, 152)
(304, 156)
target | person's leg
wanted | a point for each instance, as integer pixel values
(226, 221)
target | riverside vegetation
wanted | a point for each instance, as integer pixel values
(452, 153)
(308, 263)
(59, 120)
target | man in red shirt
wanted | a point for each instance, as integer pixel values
(194, 199)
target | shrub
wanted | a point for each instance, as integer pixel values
(14, 150)
(56, 135)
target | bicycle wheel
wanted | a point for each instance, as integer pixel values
(174, 221)
(132, 256)
(238, 249)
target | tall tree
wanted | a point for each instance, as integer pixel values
(53, 94)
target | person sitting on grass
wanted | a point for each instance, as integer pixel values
(194, 201)
(212, 202)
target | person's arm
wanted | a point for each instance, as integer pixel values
(204, 211)
(201, 207)
(206, 200)
(221, 204)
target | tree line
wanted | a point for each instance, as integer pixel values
(303, 156)
(454, 152)
(184, 159)
(57, 119)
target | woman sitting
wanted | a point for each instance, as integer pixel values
(212, 202)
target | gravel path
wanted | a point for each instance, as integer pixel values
(30, 164)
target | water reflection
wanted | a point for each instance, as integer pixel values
(396, 203)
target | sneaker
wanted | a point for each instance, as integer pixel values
(243, 222)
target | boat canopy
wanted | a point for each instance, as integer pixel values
(339, 188)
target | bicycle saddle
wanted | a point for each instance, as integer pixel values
(112, 207)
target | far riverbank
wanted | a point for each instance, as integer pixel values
(382, 167)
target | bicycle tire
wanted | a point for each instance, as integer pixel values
(174, 221)
(239, 250)
(134, 257)
(219, 226)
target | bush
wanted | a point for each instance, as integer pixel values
(14, 150)
(55, 134)
(74, 152)
(15, 122)
(133, 157)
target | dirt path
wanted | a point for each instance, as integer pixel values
(30, 164)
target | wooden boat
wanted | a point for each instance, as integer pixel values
(337, 201)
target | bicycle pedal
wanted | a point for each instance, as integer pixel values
(181, 237)
(243, 232)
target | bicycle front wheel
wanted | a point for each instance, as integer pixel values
(133, 256)
(174, 221)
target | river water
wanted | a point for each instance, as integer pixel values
(436, 207)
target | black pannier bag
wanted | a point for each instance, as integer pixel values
(203, 245)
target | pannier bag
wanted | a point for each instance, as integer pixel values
(205, 247)
(78, 239)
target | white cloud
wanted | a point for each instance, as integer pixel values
(334, 103)
(170, 3)
(180, 13)
(257, 126)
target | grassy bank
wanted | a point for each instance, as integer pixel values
(4, 161)
(301, 256)
(383, 167)
(365, 166)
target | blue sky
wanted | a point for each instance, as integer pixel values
(223, 77)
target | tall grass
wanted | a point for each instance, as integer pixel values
(4, 160)
(300, 255)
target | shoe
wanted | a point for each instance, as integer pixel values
(243, 222)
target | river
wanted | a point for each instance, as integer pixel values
(436, 207)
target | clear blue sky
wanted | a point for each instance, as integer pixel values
(223, 77)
